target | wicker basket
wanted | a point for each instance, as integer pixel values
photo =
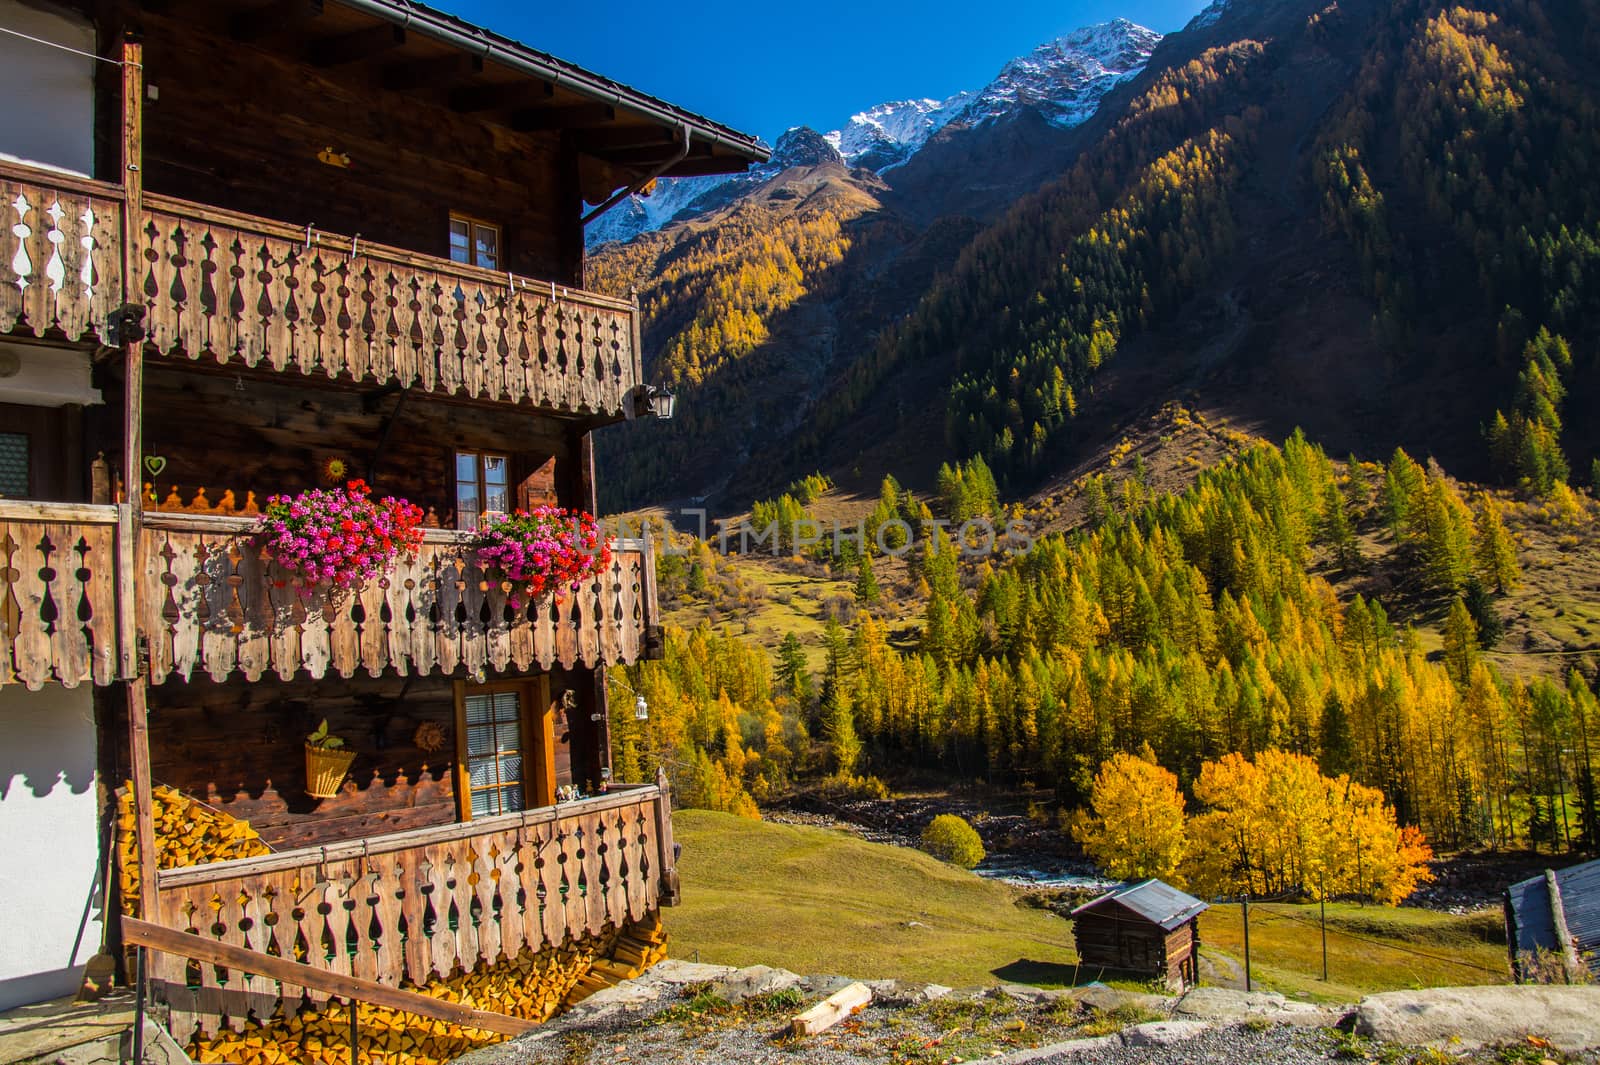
(325, 770)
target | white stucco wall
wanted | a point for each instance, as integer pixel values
(49, 845)
(42, 375)
(48, 113)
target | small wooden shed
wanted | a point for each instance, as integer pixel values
(1146, 927)
(1555, 916)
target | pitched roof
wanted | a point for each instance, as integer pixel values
(1160, 904)
(485, 43)
(1531, 925)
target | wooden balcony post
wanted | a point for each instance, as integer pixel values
(668, 860)
(130, 334)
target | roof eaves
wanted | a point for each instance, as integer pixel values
(467, 36)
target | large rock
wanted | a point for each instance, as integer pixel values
(1107, 999)
(905, 992)
(673, 971)
(1469, 1017)
(1226, 1004)
(1162, 1033)
(755, 980)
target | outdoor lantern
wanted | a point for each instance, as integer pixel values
(641, 709)
(662, 402)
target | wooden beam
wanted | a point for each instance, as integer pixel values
(469, 99)
(667, 860)
(647, 157)
(355, 45)
(350, 988)
(131, 339)
(830, 1011)
(258, 22)
(711, 164)
(572, 116)
(544, 737)
(433, 73)
(592, 142)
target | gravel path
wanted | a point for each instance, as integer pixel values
(1223, 1046)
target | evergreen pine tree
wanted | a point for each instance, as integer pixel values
(866, 580)
(1460, 642)
(792, 674)
(1496, 553)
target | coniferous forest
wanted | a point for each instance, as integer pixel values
(1378, 221)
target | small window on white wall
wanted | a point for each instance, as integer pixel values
(48, 117)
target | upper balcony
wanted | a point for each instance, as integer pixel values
(236, 290)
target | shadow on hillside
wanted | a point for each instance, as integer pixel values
(1044, 973)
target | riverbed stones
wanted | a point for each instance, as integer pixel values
(1471, 1017)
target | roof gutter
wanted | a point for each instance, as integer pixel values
(623, 194)
(428, 23)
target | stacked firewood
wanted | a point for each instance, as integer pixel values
(187, 833)
(532, 986)
(636, 949)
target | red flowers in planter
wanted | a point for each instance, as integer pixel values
(543, 549)
(339, 536)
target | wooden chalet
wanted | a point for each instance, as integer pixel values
(1148, 928)
(251, 248)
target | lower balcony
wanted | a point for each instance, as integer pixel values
(403, 908)
(213, 605)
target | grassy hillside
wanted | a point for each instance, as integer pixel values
(818, 901)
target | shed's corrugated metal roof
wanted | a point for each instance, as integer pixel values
(1532, 926)
(1160, 904)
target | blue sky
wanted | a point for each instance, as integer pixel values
(762, 67)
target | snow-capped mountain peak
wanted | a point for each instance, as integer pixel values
(1064, 80)
(888, 134)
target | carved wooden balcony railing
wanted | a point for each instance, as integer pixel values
(58, 594)
(234, 288)
(60, 254)
(417, 904)
(241, 290)
(213, 604)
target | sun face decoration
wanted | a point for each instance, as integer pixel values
(429, 737)
(335, 470)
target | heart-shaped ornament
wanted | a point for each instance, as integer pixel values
(154, 464)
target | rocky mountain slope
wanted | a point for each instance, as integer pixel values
(1346, 216)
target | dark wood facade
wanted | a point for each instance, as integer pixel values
(261, 269)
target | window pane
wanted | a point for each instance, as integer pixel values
(460, 241)
(480, 708)
(481, 771)
(510, 768)
(511, 799)
(466, 467)
(467, 506)
(505, 706)
(14, 465)
(494, 469)
(485, 803)
(509, 735)
(480, 740)
(488, 246)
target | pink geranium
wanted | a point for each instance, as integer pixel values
(339, 536)
(543, 549)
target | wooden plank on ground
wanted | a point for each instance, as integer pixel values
(831, 1010)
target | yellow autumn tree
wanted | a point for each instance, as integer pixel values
(1277, 827)
(1136, 829)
